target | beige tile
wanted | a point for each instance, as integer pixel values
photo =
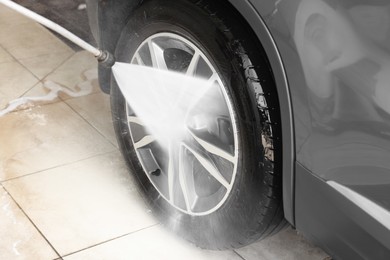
(36, 91)
(15, 81)
(30, 40)
(8, 17)
(82, 204)
(19, 238)
(152, 243)
(49, 92)
(96, 110)
(43, 137)
(4, 55)
(286, 245)
(77, 73)
(42, 65)
(39, 95)
(42, 94)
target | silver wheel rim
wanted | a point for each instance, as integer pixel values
(194, 172)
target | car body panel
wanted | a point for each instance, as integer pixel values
(262, 32)
(335, 223)
(343, 90)
(337, 60)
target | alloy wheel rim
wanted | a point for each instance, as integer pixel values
(196, 169)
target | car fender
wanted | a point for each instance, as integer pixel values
(256, 21)
(106, 19)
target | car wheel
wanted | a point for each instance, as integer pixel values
(219, 183)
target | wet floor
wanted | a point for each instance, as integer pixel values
(65, 191)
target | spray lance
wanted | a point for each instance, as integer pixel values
(104, 57)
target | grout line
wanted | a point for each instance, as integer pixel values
(39, 81)
(49, 73)
(62, 63)
(12, 57)
(43, 102)
(238, 254)
(36, 84)
(58, 166)
(17, 60)
(89, 123)
(35, 226)
(112, 239)
(71, 54)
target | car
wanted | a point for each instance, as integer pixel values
(294, 130)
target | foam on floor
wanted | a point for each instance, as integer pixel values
(54, 90)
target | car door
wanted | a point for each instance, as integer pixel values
(337, 59)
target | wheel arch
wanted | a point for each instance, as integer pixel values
(254, 19)
(107, 19)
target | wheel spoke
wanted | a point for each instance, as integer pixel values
(211, 148)
(209, 167)
(148, 139)
(158, 62)
(200, 94)
(157, 55)
(138, 121)
(171, 174)
(193, 64)
(182, 96)
(139, 59)
(194, 203)
(135, 120)
(183, 182)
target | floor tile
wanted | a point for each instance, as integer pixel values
(286, 245)
(42, 65)
(41, 95)
(151, 243)
(76, 72)
(5, 56)
(15, 80)
(30, 40)
(49, 92)
(46, 136)
(82, 204)
(19, 238)
(8, 17)
(96, 110)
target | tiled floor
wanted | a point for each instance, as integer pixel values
(65, 191)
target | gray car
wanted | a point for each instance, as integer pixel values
(295, 128)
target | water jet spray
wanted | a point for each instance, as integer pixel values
(172, 93)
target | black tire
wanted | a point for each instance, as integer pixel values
(254, 208)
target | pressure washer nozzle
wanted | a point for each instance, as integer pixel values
(106, 59)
